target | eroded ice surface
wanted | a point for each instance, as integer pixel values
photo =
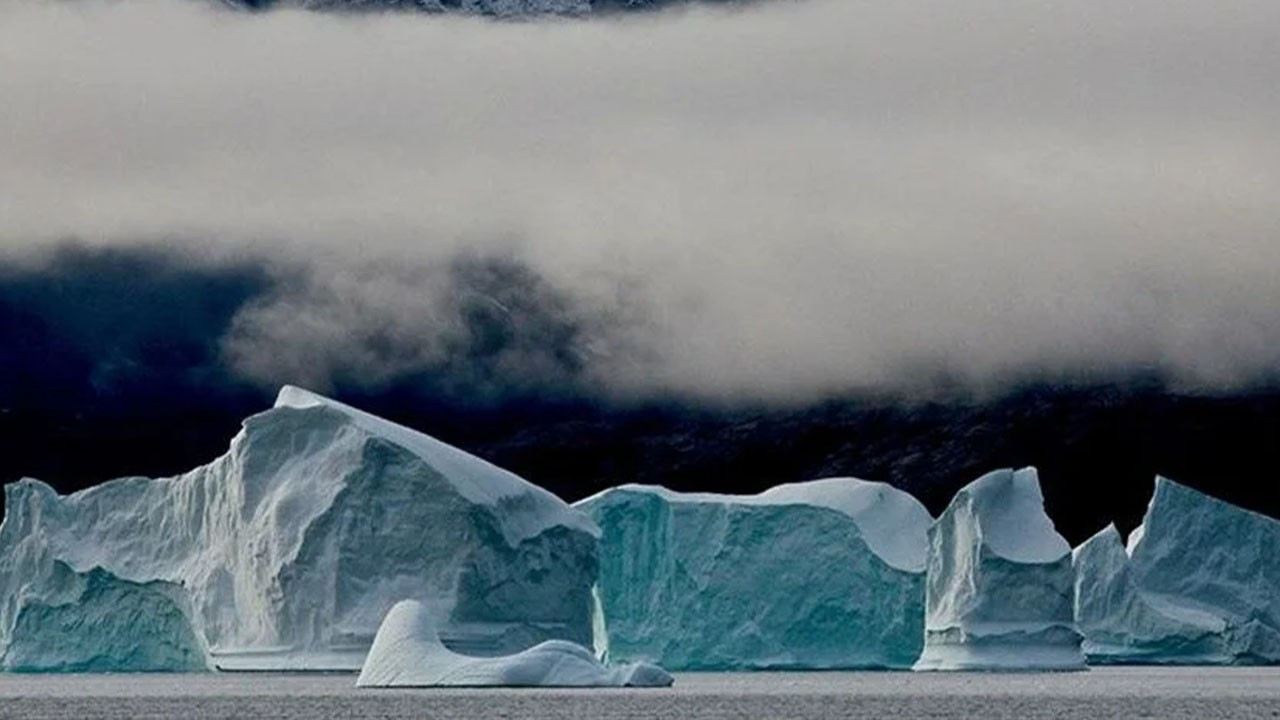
(999, 582)
(1199, 583)
(822, 574)
(293, 545)
(407, 652)
(94, 621)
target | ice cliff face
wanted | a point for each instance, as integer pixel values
(824, 574)
(1199, 583)
(1000, 582)
(94, 621)
(1121, 624)
(407, 652)
(291, 547)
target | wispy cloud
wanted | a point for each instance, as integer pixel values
(778, 201)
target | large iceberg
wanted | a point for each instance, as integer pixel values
(287, 551)
(1198, 584)
(407, 652)
(822, 574)
(1000, 582)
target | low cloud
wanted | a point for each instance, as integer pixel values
(778, 201)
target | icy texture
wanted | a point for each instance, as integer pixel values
(1199, 584)
(88, 622)
(824, 574)
(407, 652)
(999, 588)
(293, 545)
(1118, 621)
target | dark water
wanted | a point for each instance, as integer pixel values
(1191, 693)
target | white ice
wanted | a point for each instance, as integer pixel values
(999, 585)
(407, 652)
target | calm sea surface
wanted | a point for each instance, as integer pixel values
(1191, 693)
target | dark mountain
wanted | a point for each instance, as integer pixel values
(1097, 448)
(488, 8)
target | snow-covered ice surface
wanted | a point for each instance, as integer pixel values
(822, 574)
(1199, 583)
(999, 582)
(407, 652)
(292, 546)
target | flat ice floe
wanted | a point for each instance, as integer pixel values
(286, 552)
(1199, 583)
(407, 652)
(999, 582)
(822, 574)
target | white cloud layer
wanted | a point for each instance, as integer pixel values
(780, 201)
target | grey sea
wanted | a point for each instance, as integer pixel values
(1191, 693)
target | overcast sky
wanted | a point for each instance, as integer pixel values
(782, 201)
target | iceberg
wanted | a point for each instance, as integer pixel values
(999, 586)
(1121, 624)
(407, 652)
(821, 574)
(1199, 583)
(287, 551)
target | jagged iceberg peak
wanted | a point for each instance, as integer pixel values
(1121, 624)
(293, 545)
(1193, 544)
(1199, 582)
(824, 574)
(476, 479)
(1102, 545)
(892, 522)
(999, 582)
(1011, 519)
(407, 652)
